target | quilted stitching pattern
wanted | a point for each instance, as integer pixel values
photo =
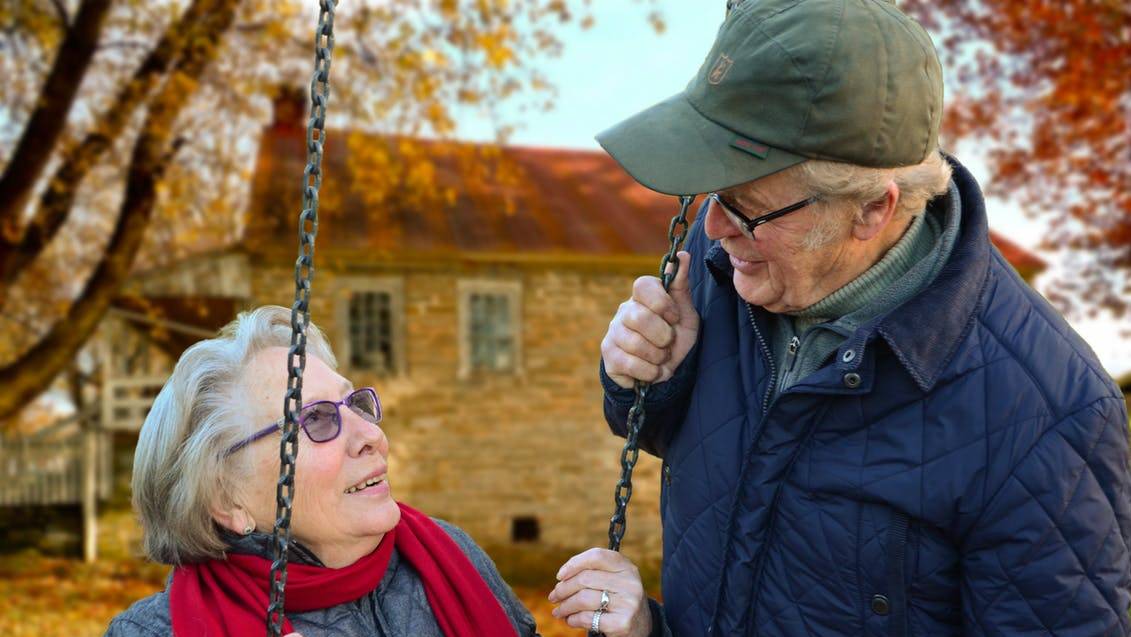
(1006, 445)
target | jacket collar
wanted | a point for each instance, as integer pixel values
(948, 305)
(260, 545)
(957, 288)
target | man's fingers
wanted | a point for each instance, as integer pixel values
(636, 345)
(649, 291)
(681, 288)
(680, 282)
(621, 363)
(642, 320)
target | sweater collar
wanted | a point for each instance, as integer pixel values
(868, 289)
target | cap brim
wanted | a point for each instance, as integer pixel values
(672, 148)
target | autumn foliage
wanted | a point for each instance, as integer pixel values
(1048, 84)
(128, 130)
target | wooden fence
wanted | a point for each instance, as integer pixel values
(66, 463)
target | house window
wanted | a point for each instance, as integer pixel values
(371, 331)
(371, 325)
(490, 335)
(525, 529)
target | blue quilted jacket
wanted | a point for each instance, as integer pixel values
(964, 471)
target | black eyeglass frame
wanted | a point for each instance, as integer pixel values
(746, 224)
(275, 426)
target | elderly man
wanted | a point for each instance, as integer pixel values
(869, 424)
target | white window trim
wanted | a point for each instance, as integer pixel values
(394, 287)
(513, 291)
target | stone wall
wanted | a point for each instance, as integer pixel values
(484, 449)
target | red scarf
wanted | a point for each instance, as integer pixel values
(229, 598)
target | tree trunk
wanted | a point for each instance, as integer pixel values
(48, 118)
(29, 375)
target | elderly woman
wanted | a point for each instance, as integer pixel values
(360, 562)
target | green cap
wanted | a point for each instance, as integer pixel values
(854, 81)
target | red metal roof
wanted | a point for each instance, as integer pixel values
(542, 200)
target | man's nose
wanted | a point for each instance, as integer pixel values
(718, 224)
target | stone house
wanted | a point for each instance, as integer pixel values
(477, 316)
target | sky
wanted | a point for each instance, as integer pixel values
(621, 65)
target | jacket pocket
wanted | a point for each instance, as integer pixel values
(896, 586)
(884, 561)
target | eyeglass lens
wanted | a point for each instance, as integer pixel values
(321, 419)
(740, 222)
(364, 403)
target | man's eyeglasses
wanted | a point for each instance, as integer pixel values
(745, 224)
(322, 419)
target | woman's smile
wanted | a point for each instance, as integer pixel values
(380, 488)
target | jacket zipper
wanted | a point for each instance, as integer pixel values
(769, 359)
(765, 412)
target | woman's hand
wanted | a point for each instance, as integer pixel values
(581, 581)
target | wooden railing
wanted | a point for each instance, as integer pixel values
(47, 467)
(66, 463)
(126, 401)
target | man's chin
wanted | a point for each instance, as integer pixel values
(753, 290)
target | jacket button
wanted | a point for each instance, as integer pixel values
(852, 380)
(848, 355)
(667, 474)
(880, 605)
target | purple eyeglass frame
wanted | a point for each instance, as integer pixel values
(275, 426)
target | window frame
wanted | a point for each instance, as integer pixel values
(394, 287)
(512, 290)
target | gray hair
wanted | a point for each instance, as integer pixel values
(839, 183)
(181, 469)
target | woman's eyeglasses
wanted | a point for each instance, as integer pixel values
(747, 225)
(322, 419)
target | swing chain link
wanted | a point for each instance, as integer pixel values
(300, 313)
(677, 232)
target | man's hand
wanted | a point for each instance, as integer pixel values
(653, 331)
(585, 576)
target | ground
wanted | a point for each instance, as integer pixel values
(43, 596)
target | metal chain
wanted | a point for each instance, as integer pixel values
(300, 313)
(677, 232)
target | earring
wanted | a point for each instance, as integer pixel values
(248, 529)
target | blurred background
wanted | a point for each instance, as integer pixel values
(474, 240)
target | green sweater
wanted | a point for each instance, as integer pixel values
(804, 340)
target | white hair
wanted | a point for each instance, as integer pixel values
(181, 469)
(849, 188)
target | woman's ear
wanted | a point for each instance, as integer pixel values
(876, 214)
(234, 518)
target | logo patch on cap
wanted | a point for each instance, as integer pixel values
(719, 71)
(749, 145)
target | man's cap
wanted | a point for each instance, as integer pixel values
(853, 81)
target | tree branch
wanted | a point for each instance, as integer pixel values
(49, 116)
(58, 198)
(32, 372)
(61, 11)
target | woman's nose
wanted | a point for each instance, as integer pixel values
(364, 437)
